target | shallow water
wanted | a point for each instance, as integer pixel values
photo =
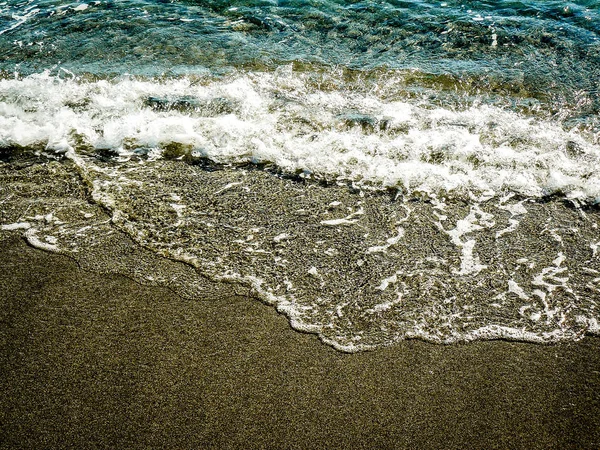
(375, 170)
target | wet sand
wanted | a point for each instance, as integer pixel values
(99, 361)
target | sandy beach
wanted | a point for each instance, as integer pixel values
(99, 361)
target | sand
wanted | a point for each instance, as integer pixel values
(95, 360)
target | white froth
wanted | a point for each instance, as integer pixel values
(475, 220)
(281, 237)
(348, 220)
(27, 13)
(593, 325)
(515, 334)
(15, 226)
(389, 242)
(387, 281)
(516, 289)
(334, 222)
(178, 208)
(515, 210)
(227, 187)
(594, 246)
(32, 237)
(480, 148)
(385, 306)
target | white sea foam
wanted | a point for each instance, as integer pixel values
(281, 119)
(476, 220)
(32, 237)
(23, 16)
(15, 226)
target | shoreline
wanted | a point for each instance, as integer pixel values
(98, 360)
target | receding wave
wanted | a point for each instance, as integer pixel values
(384, 214)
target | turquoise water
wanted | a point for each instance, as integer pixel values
(545, 52)
(374, 170)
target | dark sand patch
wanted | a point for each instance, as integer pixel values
(98, 361)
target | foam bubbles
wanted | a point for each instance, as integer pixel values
(282, 120)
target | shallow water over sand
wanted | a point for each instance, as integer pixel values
(375, 170)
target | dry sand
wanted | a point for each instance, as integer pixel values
(98, 361)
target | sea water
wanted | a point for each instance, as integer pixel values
(375, 170)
